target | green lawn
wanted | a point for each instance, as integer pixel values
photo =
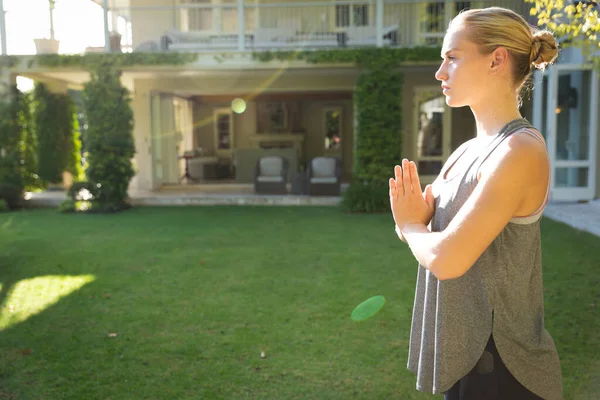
(179, 303)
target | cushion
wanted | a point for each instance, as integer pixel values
(323, 180)
(269, 179)
(271, 166)
(323, 167)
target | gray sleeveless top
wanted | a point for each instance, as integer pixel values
(501, 294)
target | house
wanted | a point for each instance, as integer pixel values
(227, 109)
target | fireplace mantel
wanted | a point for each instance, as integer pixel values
(278, 137)
(278, 141)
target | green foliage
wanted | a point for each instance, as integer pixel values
(67, 206)
(57, 130)
(9, 61)
(365, 57)
(82, 190)
(109, 141)
(4, 206)
(15, 161)
(50, 137)
(366, 198)
(72, 139)
(72, 206)
(378, 137)
(31, 178)
(117, 60)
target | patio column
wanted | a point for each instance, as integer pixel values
(3, 27)
(379, 22)
(241, 28)
(106, 31)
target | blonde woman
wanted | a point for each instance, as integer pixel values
(478, 319)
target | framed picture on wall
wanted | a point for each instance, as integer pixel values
(272, 117)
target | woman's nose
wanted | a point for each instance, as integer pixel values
(441, 74)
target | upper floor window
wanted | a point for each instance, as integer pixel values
(435, 17)
(351, 15)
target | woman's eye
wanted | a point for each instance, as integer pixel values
(451, 58)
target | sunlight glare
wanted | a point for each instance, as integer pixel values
(24, 84)
(29, 297)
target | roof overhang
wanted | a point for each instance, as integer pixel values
(114, 3)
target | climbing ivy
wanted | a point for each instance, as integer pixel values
(109, 142)
(117, 60)
(57, 133)
(362, 57)
(378, 140)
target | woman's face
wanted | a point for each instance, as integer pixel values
(464, 71)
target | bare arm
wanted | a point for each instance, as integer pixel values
(511, 170)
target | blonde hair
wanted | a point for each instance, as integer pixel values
(494, 27)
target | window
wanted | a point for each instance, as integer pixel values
(223, 124)
(196, 19)
(351, 15)
(213, 18)
(435, 17)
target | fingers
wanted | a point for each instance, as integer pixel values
(393, 191)
(429, 195)
(414, 176)
(398, 180)
(406, 176)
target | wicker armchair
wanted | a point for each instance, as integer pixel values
(323, 176)
(270, 176)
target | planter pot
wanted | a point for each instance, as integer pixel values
(46, 46)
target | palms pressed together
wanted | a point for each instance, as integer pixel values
(409, 205)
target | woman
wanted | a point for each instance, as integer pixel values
(478, 318)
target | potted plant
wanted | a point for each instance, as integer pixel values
(45, 45)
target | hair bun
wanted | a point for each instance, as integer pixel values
(544, 49)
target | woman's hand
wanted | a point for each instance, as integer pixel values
(409, 205)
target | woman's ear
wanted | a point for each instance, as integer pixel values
(499, 59)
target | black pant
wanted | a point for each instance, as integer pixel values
(489, 380)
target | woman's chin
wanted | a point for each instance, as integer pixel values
(453, 102)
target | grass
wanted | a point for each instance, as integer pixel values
(179, 303)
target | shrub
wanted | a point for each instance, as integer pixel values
(378, 135)
(13, 136)
(57, 131)
(366, 197)
(109, 141)
(67, 206)
(82, 190)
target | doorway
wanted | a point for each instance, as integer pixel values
(432, 122)
(565, 104)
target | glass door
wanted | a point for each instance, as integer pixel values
(570, 124)
(165, 141)
(433, 127)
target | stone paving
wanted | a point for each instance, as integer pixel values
(582, 216)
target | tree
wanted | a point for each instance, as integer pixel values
(57, 131)
(578, 22)
(14, 158)
(109, 142)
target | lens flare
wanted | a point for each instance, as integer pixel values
(238, 105)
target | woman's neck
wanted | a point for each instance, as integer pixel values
(490, 119)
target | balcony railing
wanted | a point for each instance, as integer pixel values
(250, 25)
